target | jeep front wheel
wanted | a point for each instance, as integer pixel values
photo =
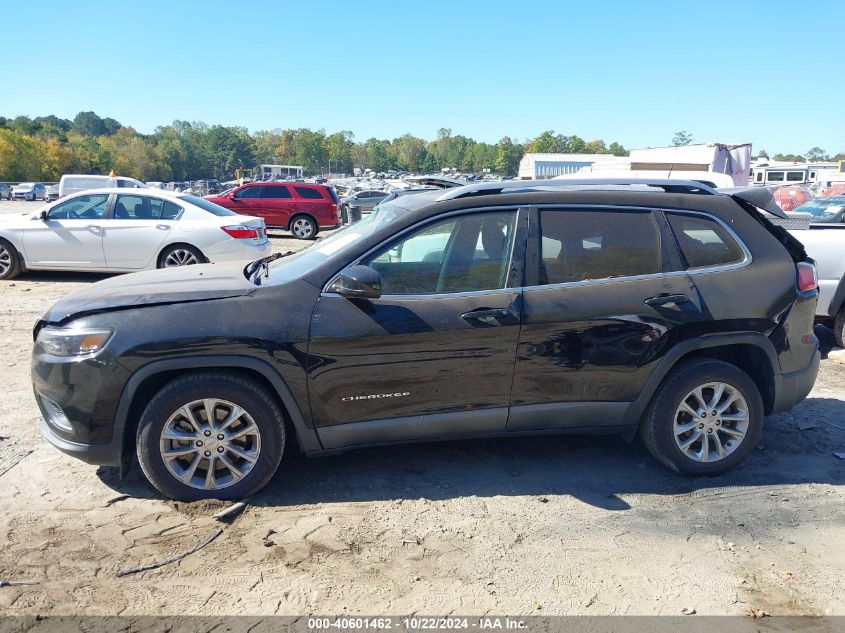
(210, 436)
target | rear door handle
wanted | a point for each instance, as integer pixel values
(662, 300)
(486, 313)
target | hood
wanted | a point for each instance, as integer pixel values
(201, 282)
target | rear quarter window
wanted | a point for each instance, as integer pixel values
(703, 242)
(308, 193)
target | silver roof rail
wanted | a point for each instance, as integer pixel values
(526, 186)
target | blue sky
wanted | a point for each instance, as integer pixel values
(635, 72)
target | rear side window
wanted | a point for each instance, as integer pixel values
(130, 207)
(275, 192)
(307, 192)
(587, 245)
(703, 242)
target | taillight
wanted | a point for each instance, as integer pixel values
(808, 278)
(241, 231)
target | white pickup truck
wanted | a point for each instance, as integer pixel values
(825, 243)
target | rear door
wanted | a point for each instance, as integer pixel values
(277, 205)
(71, 236)
(135, 229)
(434, 355)
(604, 300)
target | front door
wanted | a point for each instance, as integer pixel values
(71, 236)
(434, 355)
(603, 301)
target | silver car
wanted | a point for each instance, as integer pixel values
(29, 191)
(360, 202)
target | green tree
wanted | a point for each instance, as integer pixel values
(617, 150)
(816, 154)
(682, 138)
(508, 155)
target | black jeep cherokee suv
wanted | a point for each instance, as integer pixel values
(491, 309)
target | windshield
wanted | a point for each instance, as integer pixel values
(294, 266)
(206, 205)
(26, 185)
(823, 209)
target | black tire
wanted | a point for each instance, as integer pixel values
(344, 214)
(175, 249)
(657, 426)
(839, 328)
(239, 390)
(10, 261)
(308, 233)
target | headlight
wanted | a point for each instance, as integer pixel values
(81, 342)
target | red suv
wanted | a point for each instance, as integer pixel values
(301, 208)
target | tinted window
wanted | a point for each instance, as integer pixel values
(248, 193)
(308, 192)
(795, 176)
(144, 208)
(82, 207)
(584, 245)
(463, 254)
(704, 242)
(276, 192)
(774, 176)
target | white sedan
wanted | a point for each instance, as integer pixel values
(104, 230)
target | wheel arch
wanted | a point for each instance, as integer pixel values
(838, 299)
(147, 380)
(168, 245)
(751, 352)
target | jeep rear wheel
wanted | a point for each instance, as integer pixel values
(210, 436)
(705, 418)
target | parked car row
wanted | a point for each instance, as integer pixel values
(476, 311)
(124, 230)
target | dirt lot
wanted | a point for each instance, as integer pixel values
(543, 526)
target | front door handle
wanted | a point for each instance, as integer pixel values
(664, 299)
(486, 313)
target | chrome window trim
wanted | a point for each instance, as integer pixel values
(515, 209)
(746, 261)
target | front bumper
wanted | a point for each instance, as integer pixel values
(109, 454)
(794, 386)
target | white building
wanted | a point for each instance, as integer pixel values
(544, 166)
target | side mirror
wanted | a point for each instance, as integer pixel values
(43, 215)
(357, 282)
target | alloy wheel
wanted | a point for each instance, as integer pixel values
(210, 444)
(5, 260)
(180, 257)
(302, 228)
(711, 422)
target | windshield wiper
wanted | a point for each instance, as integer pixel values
(263, 264)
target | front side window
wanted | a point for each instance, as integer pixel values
(584, 245)
(704, 242)
(248, 193)
(86, 207)
(461, 254)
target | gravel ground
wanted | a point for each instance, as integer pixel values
(523, 526)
